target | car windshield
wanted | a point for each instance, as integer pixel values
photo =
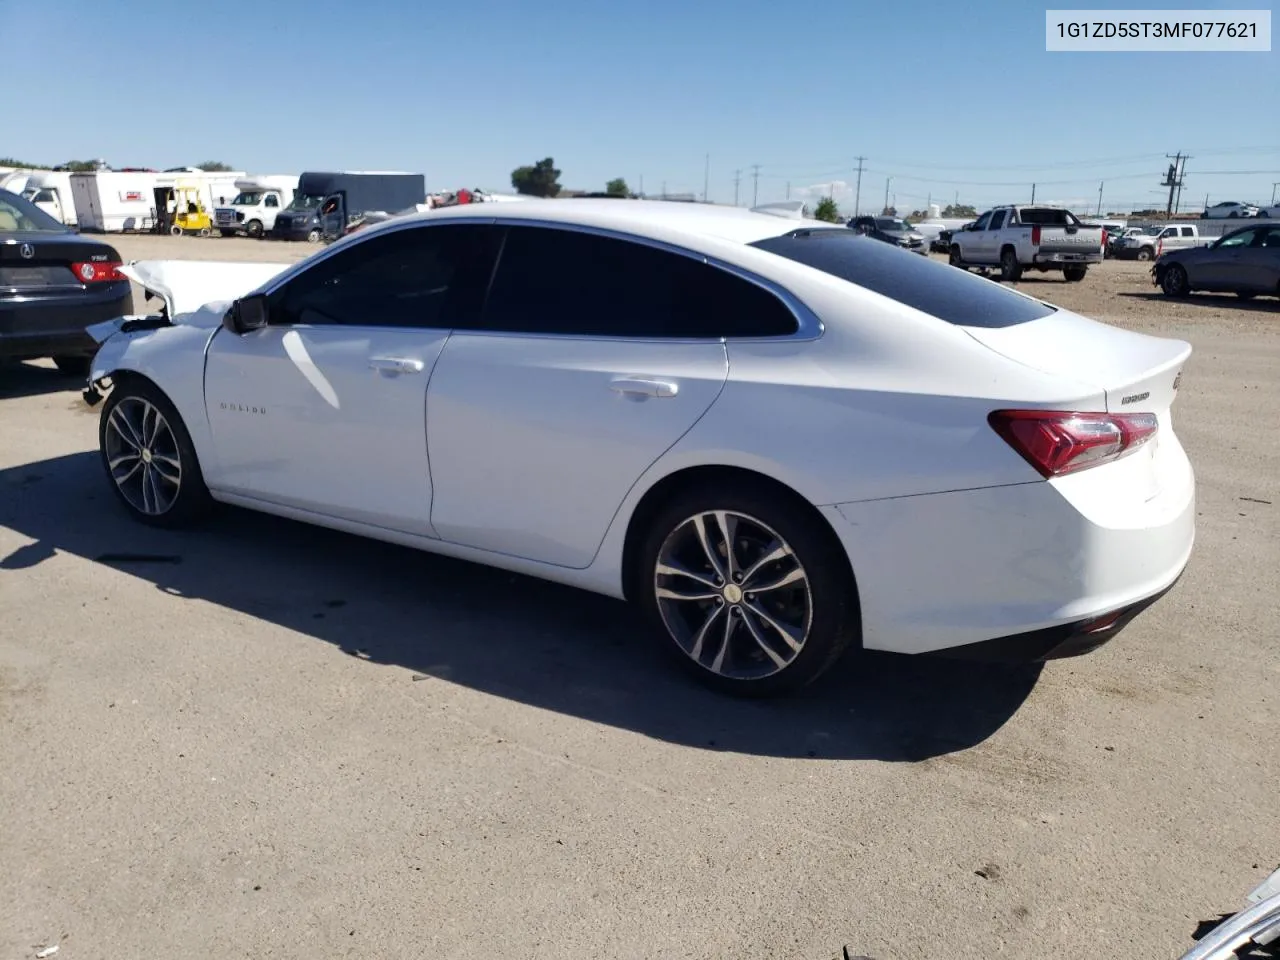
(305, 201)
(20, 216)
(1152, 231)
(247, 199)
(955, 296)
(892, 223)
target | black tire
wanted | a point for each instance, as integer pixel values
(827, 602)
(1233, 215)
(1174, 281)
(254, 229)
(1074, 274)
(73, 365)
(227, 233)
(175, 231)
(192, 500)
(1010, 269)
(314, 235)
(953, 257)
(1146, 253)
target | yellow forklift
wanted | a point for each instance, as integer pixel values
(180, 211)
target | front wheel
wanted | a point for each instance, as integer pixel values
(254, 229)
(1146, 253)
(953, 257)
(1074, 274)
(313, 236)
(752, 594)
(148, 456)
(175, 230)
(1174, 282)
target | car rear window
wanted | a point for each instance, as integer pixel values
(1047, 216)
(938, 289)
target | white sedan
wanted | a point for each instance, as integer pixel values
(779, 439)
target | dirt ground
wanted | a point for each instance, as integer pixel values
(267, 740)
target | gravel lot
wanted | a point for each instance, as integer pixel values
(267, 740)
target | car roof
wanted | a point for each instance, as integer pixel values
(659, 220)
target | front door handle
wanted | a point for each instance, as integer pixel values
(643, 387)
(393, 366)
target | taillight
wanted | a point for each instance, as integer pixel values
(98, 271)
(1035, 235)
(1104, 238)
(1058, 442)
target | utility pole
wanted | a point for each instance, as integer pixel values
(1173, 179)
(1033, 193)
(706, 177)
(887, 181)
(1100, 185)
(755, 183)
(1273, 193)
(857, 193)
(664, 189)
(737, 178)
(788, 189)
(642, 184)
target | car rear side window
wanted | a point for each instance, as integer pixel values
(554, 281)
(943, 291)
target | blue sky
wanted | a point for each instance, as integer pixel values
(947, 98)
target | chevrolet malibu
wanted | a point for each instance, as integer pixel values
(779, 440)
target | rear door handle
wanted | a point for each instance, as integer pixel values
(643, 387)
(393, 366)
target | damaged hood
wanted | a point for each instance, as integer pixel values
(187, 285)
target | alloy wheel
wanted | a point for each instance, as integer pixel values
(733, 595)
(142, 456)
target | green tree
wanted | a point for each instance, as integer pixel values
(18, 164)
(540, 180)
(617, 187)
(80, 166)
(954, 210)
(827, 210)
(214, 166)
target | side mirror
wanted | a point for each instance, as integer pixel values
(246, 314)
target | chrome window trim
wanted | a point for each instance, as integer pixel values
(809, 326)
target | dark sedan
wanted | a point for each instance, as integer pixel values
(1245, 262)
(890, 230)
(53, 284)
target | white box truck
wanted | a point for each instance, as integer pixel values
(258, 201)
(112, 201)
(50, 190)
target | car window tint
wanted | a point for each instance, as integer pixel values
(1272, 239)
(552, 281)
(1188, 231)
(426, 277)
(1241, 239)
(982, 221)
(271, 201)
(997, 220)
(955, 296)
(1048, 217)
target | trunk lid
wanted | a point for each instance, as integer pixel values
(35, 263)
(1137, 372)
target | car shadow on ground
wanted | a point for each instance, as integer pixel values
(510, 636)
(1258, 304)
(30, 380)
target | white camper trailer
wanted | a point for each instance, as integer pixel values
(111, 201)
(15, 181)
(50, 190)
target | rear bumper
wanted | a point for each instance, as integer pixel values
(36, 327)
(1024, 572)
(1066, 259)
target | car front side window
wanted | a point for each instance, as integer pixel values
(1241, 239)
(430, 276)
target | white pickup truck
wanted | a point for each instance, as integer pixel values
(1153, 241)
(1019, 238)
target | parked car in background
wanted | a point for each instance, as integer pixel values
(942, 243)
(1150, 242)
(53, 284)
(254, 209)
(1229, 209)
(1270, 211)
(1019, 238)
(1114, 237)
(788, 441)
(890, 230)
(1245, 262)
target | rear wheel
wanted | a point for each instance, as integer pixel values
(1074, 274)
(254, 229)
(1010, 269)
(1174, 281)
(72, 365)
(751, 593)
(149, 458)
